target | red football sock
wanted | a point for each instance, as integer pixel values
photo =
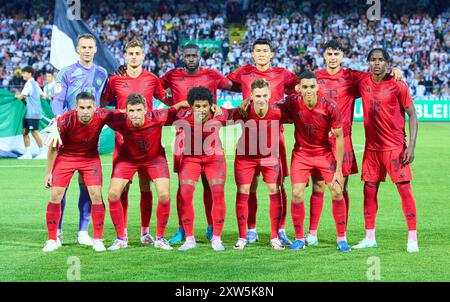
(116, 212)
(298, 218)
(146, 210)
(218, 208)
(370, 205)
(179, 205)
(408, 205)
(242, 213)
(162, 217)
(98, 219)
(276, 212)
(52, 217)
(347, 204)
(124, 202)
(252, 209)
(338, 209)
(284, 209)
(208, 202)
(187, 208)
(315, 211)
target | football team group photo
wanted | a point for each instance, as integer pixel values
(225, 141)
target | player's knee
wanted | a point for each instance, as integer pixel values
(164, 197)
(245, 189)
(113, 195)
(96, 197)
(319, 187)
(336, 195)
(273, 189)
(56, 196)
(297, 195)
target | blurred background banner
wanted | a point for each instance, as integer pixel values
(12, 111)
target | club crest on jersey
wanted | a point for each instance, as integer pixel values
(341, 80)
(58, 88)
(182, 79)
(98, 81)
(125, 85)
(322, 82)
(252, 75)
(368, 89)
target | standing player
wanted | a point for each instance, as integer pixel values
(31, 93)
(141, 151)
(340, 85)
(314, 117)
(385, 102)
(203, 153)
(179, 81)
(80, 131)
(83, 76)
(281, 81)
(258, 151)
(118, 88)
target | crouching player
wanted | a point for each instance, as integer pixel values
(203, 153)
(79, 130)
(314, 117)
(258, 151)
(141, 152)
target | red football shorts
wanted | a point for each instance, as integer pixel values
(90, 170)
(214, 167)
(155, 168)
(376, 164)
(283, 155)
(303, 165)
(349, 165)
(245, 168)
(118, 138)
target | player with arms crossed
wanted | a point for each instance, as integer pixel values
(180, 81)
(203, 153)
(83, 76)
(79, 130)
(314, 117)
(141, 151)
(340, 85)
(281, 81)
(118, 88)
(385, 102)
(258, 152)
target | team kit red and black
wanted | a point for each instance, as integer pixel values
(261, 150)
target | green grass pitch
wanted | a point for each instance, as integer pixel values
(23, 202)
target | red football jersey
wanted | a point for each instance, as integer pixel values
(180, 82)
(119, 88)
(342, 88)
(143, 143)
(312, 126)
(201, 138)
(281, 81)
(260, 135)
(384, 107)
(80, 140)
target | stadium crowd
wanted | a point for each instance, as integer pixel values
(419, 43)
